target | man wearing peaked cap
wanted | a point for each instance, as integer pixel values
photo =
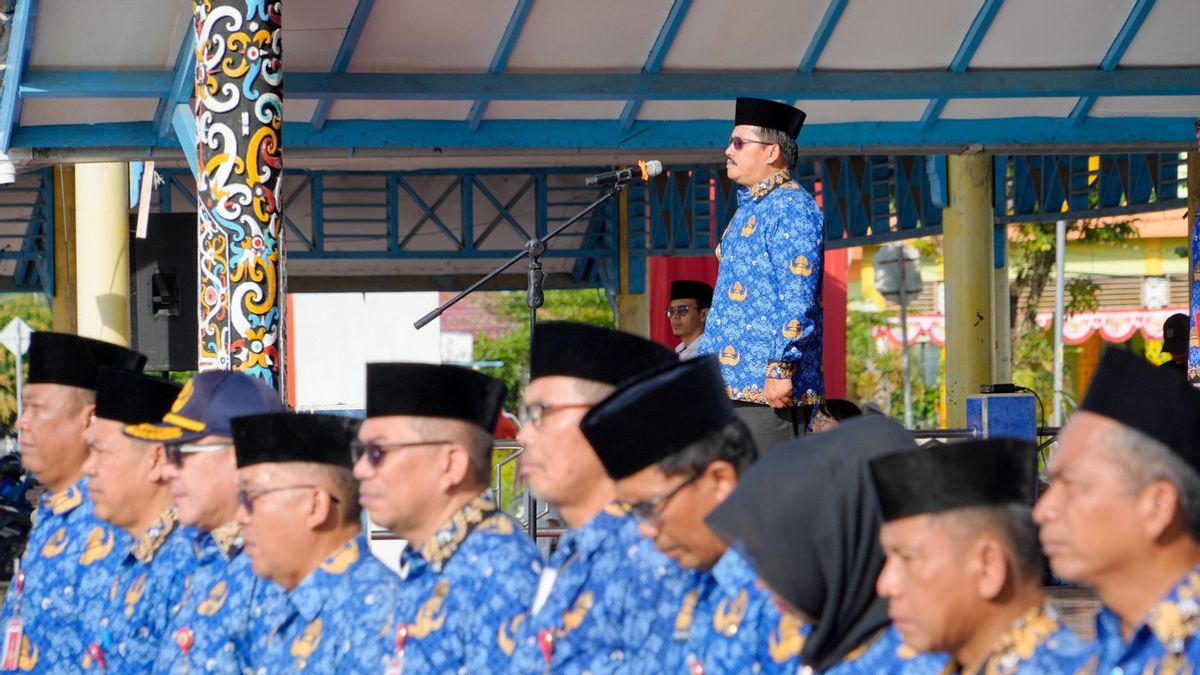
(964, 572)
(604, 587)
(766, 322)
(68, 544)
(424, 456)
(1122, 513)
(212, 628)
(674, 445)
(298, 507)
(688, 310)
(130, 490)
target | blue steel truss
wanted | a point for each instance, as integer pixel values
(455, 214)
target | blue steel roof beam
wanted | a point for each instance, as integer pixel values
(345, 54)
(823, 85)
(500, 59)
(962, 58)
(658, 53)
(181, 86)
(833, 14)
(20, 44)
(1112, 58)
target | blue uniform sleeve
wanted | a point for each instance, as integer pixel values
(795, 248)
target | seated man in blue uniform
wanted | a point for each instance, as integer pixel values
(605, 587)
(212, 628)
(130, 491)
(815, 544)
(69, 558)
(298, 508)
(675, 447)
(964, 572)
(424, 456)
(766, 322)
(1122, 513)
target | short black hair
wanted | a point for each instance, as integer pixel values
(731, 443)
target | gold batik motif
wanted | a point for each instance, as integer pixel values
(155, 536)
(765, 187)
(442, 545)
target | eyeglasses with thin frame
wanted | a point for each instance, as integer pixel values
(680, 310)
(246, 498)
(738, 142)
(175, 451)
(534, 413)
(651, 511)
(374, 451)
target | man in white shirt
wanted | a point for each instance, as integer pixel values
(688, 310)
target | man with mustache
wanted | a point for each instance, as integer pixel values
(69, 558)
(1122, 513)
(130, 491)
(765, 324)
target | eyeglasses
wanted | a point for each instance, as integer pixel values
(374, 451)
(175, 451)
(738, 142)
(534, 413)
(246, 498)
(680, 310)
(652, 510)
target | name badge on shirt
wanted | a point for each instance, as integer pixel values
(545, 584)
(14, 629)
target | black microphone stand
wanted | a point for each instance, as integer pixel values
(534, 299)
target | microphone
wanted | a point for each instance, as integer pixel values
(643, 171)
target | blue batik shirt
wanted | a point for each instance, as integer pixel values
(1038, 642)
(886, 654)
(215, 623)
(69, 561)
(460, 588)
(766, 318)
(1165, 643)
(729, 624)
(148, 583)
(610, 589)
(337, 620)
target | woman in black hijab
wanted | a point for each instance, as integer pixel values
(805, 515)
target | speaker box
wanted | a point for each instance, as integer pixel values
(162, 291)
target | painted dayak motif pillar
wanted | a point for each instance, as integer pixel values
(239, 120)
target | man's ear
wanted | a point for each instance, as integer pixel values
(990, 562)
(724, 478)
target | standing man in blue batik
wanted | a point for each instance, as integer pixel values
(673, 464)
(298, 508)
(1122, 514)
(964, 572)
(605, 587)
(130, 491)
(765, 325)
(212, 629)
(70, 555)
(424, 456)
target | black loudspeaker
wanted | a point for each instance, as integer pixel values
(162, 291)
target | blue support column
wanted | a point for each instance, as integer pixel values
(829, 21)
(345, 53)
(962, 58)
(500, 58)
(658, 53)
(20, 44)
(1113, 57)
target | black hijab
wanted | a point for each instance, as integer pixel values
(806, 517)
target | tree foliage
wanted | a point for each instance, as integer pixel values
(34, 310)
(878, 376)
(512, 348)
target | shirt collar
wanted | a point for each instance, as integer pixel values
(309, 597)
(145, 546)
(1020, 642)
(1177, 617)
(226, 540)
(65, 500)
(593, 534)
(765, 186)
(441, 546)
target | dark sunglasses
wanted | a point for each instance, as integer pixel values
(175, 451)
(738, 142)
(680, 310)
(246, 498)
(374, 451)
